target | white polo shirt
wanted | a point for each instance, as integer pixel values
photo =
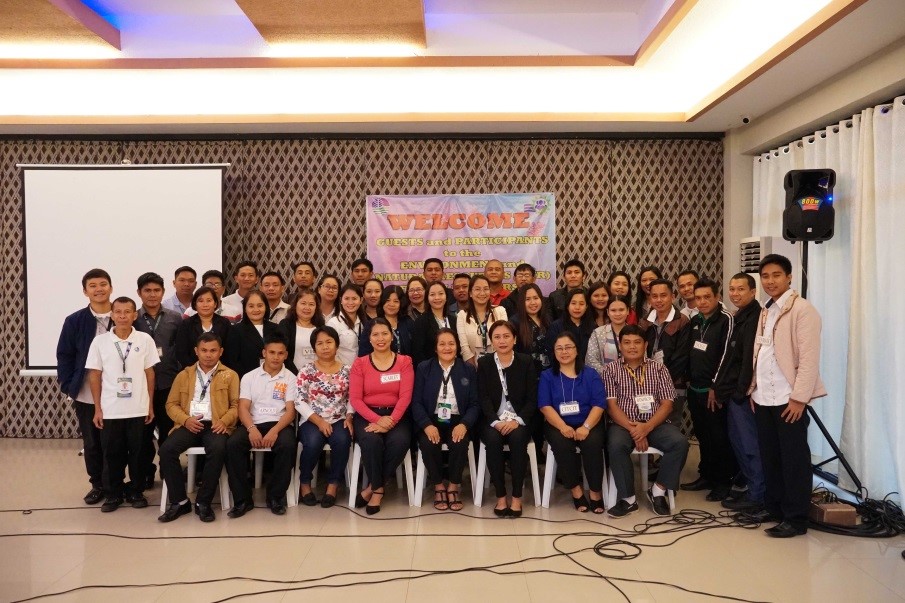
(279, 313)
(124, 393)
(268, 395)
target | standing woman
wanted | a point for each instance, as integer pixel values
(325, 416)
(598, 295)
(328, 290)
(474, 322)
(302, 317)
(620, 284)
(646, 276)
(380, 391)
(416, 290)
(572, 399)
(372, 290)
(576, 320)
(603, 347)
(426, 326)
(445, 410)
(247, 336)
(507, 390)
(393, 307)
(532, 322)
(349, 322)
(205, 320)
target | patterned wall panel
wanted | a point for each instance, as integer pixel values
(620, 204)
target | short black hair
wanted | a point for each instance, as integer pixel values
(693, 273)
(752, 284)
(663, 281)
(182, 269)
(149, 278)
(362, 262)
(275, 338)
(631, 330)
(330, 331)
(433, 261)
(201, 291)
(774, 258)
(274, 273)
(305, 263)
(579, 361)
(525, 266)
(709, 284)
(214, 273)
(96, 273)
(124, 300)
(209, 337)
(246, 264)
(459, 275)
(574, 262)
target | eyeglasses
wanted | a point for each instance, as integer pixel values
(564, 348)
(213, 285)
(330, 287)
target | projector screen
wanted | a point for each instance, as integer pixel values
(126, 219)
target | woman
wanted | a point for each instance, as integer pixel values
(247, 336)
(302, 318)
(646, 276)
(204, 303)
(372, 290)
(426, 326)
(328, 290)
(572, 399)
(532, 323)
(349, 322)
(603, 346)
(620, 283)
(416, 289)
(445, 410)
(507, 390)
(474, 322)
(577, 320)
(393, 307)
(380, 391)
(598, 295)
(325, 416)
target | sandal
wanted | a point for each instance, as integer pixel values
(454, 503)
(441, 503)
(581, 503)
(596, 506)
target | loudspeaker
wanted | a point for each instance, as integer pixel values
(809, 213)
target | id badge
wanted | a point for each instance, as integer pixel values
(391, 378)
(645, 403)
(124, 387)
(159, 351)
(764, 340)
(507, 415)
(700, 345)
(658, 356)
(202, 408)
(568, 408)
(444, 411)
(269, 410)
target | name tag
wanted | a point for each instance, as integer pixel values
(658, 356)
(444, 411)
(159, 352)
(202, 408)
(507, 415)
(391, 378)
(124, 387)
(568, 408)
(764, 340)
(645, 403)
(279, 391)
(269, 410)
(700, 345)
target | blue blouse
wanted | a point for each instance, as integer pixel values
(587, 390)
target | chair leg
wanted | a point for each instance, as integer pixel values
(409, 477)
(535, 474)
(355, 460)
(163, 497)
(471, 467)
(419, 481)
(190, 473)
(225, 494)
(642, 460)
(259, 467)
(477, 481)
(549, 478)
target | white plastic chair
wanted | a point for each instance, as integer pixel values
(192, 453)
(643, 457)
(483, 477)
(355, 460)
(292, 492)
(550, 477)
(421, 474)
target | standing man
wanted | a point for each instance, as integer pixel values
(362, 270)
(216, 281)
(786, 379)
(493, 272)
(272, 286)
(246, 276)
(667, 332)
(433, 270)
(461, 281)
(184, 281)
(524, 274)
(161, 324)
(685, 282)
(573, 274)
(79, 330)
(304, 275)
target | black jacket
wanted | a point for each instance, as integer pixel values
(734, 377)
(674, 343)
(187, 337)
(703, 365)
(428, 380)
(245, 346)
(424, 336)
(521, 380)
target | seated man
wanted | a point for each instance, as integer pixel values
(202, 404)
(639, 400)
(266, 412)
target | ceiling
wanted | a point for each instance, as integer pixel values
(271, 66)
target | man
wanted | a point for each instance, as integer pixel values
(246, 277)
(216, 281)
(639, 401)
(202, 405)
(685, 282)
(121, 375)
(493, 272)
(711, 329)
(524, 274)
(433, 270)
(362, 270)
(667, 333)
(184, 282)
(573, 278)
(731, 389)
(272, 286)
(304, 275)
(461, 282)
(161, 324)
(79, 330)
(786, 378)
(266, 414)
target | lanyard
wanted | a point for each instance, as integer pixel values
(499, 367)
(121, 355)
(201, 382)
(396, 339)
(153, 325)
(442, 323)
(100, 321)
(705, 324)
(563, 388)
(446, 375)
(635, 376)
(483, 327)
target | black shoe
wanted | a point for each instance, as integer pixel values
(310, 500)
(204, 512)
(742, 504)
(513, 513)
(149, 482)
(278, 506)
(757, 516)
(328, 501)
(718, 493)
(504, 512)
(360, 501)
(94, 496)
(174, 511)
(785, 530)
(111, 504)
(622, 508)
(138, 501)
(698, 484)
(659, 504)
(737, 492)
(374, 509)
(240, 509)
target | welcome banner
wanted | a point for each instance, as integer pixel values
(465, 231)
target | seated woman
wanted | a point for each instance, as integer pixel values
(325, 415)
(426, 327)
(603, 346)
(349, 322)
(507, 390)
(473, 323)
(445, 409)
(572, 399)
(380, 391)
(205, 320)
(532, 322)
(302, 318)
(577, 320)
(247, 336)
(393, 307)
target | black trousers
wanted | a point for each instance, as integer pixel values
(381, 453)
(786, 457)
(91, 443)
(171, 470)
(494, 441)
(433, 453)
(238, 448)
(718, 463)
(569, 461)
(163, 423)
(122, 441)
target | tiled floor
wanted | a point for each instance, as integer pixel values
(402, 554)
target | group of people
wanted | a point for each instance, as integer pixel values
(594, 370)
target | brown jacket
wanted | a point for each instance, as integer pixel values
(224, 392)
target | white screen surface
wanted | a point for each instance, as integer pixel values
(127, 220)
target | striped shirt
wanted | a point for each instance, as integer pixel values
(622, 385)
